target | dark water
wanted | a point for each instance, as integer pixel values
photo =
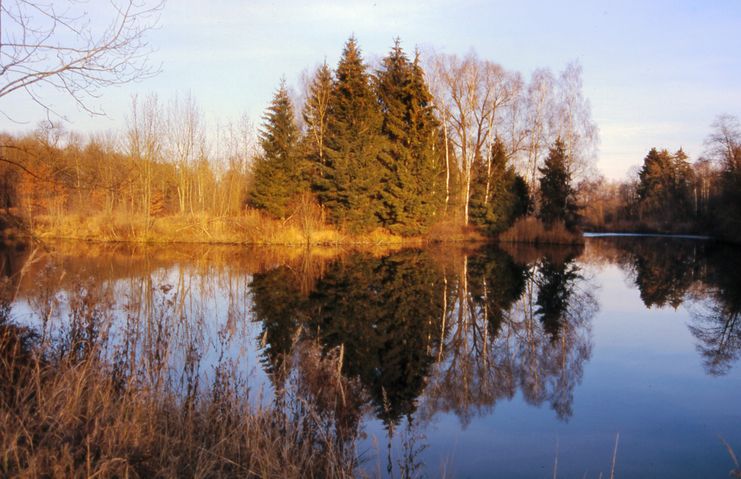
(464, 362)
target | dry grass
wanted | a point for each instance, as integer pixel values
(63, 418)
(252, 227)
(531, 230)
(72, 407)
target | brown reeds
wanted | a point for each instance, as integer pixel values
(64, 419)
(72, 407)
(532, 230)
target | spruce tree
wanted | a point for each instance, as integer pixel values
(665, 187)
(558, 202)
(349, 185)
(409, 128)
(277, 175)
(499, 195)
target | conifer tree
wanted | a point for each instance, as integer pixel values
(558, 201)
(664, 187)
(499, 195)
(349, 185)
(408, 158)
(277, 175)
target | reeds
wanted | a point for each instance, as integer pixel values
(532, 230)
(67, 419)
(72, 407)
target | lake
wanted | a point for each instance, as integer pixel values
(456, 361)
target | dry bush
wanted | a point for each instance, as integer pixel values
(67, 419)
(532, 230)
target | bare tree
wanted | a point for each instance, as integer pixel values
(468, 94)
(58, 45)
(573, 121)
(145, 147)
(235, 147)
(185, 142)
(540, 106)
(724, 143)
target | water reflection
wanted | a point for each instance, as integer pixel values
(703, 276)
(461, 333)
(401, 336)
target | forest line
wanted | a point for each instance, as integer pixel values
(427, 148)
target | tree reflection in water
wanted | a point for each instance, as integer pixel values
(716, 315)
(403, 336)
(481, 365)
(703, 276)
(460, 332)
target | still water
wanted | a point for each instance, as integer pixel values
(458, 361)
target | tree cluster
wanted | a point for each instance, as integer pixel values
(401, 147)
(367, 150)
(162, 165)
(388, 149)
(671, 194)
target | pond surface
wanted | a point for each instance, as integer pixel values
(462, 362)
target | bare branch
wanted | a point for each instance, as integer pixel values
(45, 46)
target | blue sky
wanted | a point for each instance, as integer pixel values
(656, 73)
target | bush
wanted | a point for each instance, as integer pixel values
(532, 230)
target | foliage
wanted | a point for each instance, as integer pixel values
(500, 196)
(373, 151)
(724, 147)
(349, 179)
(529, 229)
(410, 170)
(557, 196)
(277, 175)
(315, 116)
(665, 186)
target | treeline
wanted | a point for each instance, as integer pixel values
(160, 165)
(401, 147)
(671, 194)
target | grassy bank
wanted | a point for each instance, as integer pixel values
(250, 228)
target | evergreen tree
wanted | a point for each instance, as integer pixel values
(408, 158)
(499, 195)
(665, 186)
(349, 185)
(556, 283)
(558, 201)
(277, 175)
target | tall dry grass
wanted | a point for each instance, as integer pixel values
(70, 409)
(252, 227)
(66, 419)
(532, 230)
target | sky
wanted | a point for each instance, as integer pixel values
(655, 72)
